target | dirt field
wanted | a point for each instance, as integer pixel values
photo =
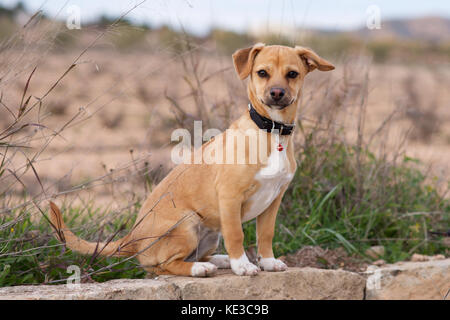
(127, 103)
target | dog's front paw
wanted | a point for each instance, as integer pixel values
(203, 269)
(272, 264)
(243, 267)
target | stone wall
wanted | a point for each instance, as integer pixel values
(408, 280)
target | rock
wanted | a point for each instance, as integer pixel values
(379, 262)
(446, 242)
(403, 280)
(420, 257)
(409, 280)
(375, 252)
(372, 268)
(122, 289)
(115, 289)
(296, 283)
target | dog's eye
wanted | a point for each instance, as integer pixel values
(262, 73)
(292, 74)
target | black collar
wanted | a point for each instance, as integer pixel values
(269, 125)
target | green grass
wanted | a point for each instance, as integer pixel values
(332, 202)
(31, 255)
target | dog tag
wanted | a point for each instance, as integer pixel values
(280, 147)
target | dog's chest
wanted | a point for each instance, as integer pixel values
(271, 178)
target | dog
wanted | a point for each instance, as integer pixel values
(179, 225)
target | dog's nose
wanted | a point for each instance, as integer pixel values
(277, 93)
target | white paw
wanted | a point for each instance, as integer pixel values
(243, 267)
(222, 261)
(203, 269)
(272, 264)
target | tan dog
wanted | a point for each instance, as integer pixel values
(178, 228)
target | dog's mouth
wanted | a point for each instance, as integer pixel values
(277, 105)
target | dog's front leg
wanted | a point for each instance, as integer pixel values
(265, 228)
(233, 236)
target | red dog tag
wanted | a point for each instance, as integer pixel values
(280, 147)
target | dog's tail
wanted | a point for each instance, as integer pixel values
(119, 248)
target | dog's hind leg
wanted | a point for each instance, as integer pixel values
(194, 269)
(193, 250)
(178, 266)
(183, 268)
(175, 253)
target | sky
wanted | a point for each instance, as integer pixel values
(199, 16)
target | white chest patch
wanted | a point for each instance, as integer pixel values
(272, 178)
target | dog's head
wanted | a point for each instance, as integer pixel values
(276, 73)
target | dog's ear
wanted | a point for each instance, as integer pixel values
(313, 60)
(243, 60)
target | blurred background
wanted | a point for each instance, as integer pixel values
(90, 92)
